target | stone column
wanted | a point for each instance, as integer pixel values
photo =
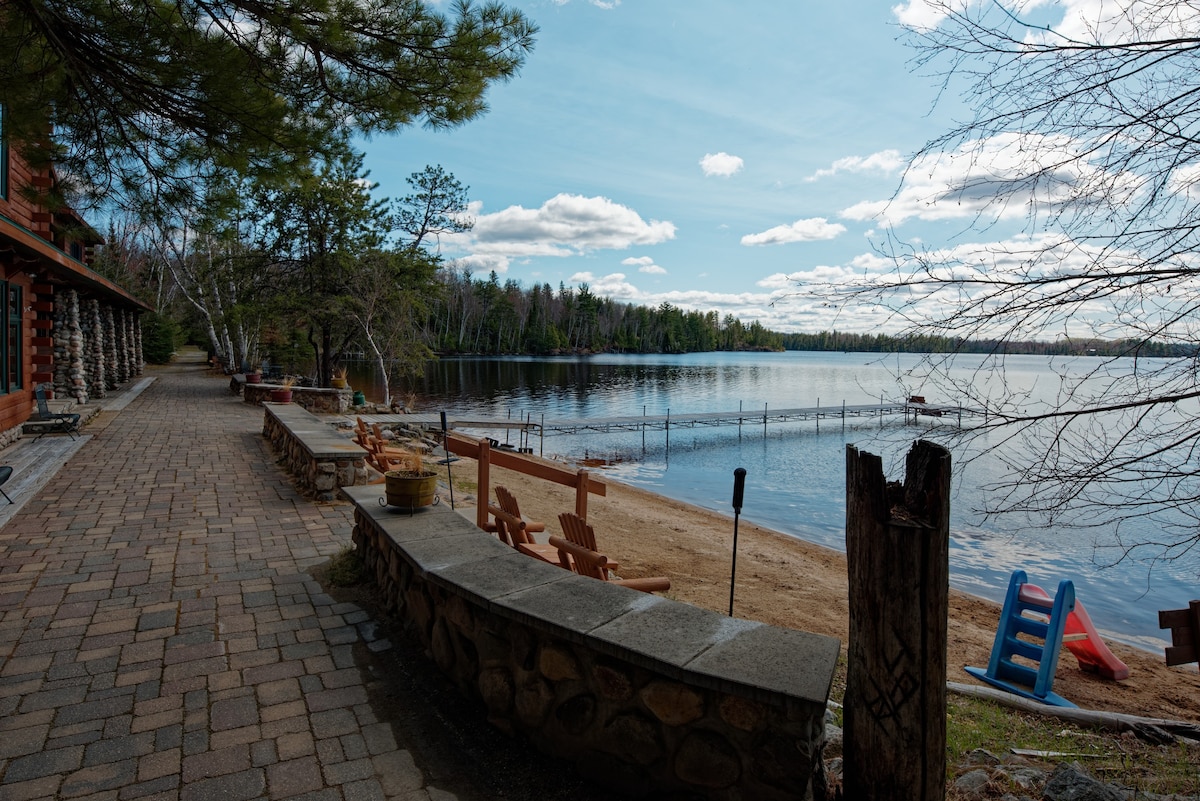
(122, 346)
(69, 377)
(110, 348)
(95, 351)
(139, 360)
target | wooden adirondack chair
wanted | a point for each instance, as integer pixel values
(361, 432)
(514, 531)
(579, 531)
(508, 502)
(596, 565)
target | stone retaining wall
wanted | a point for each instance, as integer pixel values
(644, 694)
(318, 400)
(320, 458)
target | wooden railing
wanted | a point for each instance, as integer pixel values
(485, 456)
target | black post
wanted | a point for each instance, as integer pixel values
(446, 447)
(739, 487)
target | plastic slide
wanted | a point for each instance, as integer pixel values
(1081, 637)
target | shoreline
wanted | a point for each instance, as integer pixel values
(785, 581)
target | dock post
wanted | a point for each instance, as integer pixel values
(843, 415)
(643, 429)
(818, 415)
(542, 436)
(667, 429)
(897, 559)
(764, 421)
(739, 421)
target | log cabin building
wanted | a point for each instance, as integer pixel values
(64, 325)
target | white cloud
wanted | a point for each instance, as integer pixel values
(612, 286)
(1107, 22)
(644, 264)
(811, 230)
(885, 161)
(565, 225)
(919, 14)
(721, 164)
(481, 265)
(991, 178)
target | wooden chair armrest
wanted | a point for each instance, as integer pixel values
(514, 527)
(654, 584)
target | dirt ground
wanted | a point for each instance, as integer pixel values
(786, 582)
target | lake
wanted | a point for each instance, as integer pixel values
(796, 471)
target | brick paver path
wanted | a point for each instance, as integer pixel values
(159, 637)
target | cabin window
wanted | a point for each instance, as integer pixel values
(12, 345)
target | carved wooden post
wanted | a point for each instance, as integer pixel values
(897, 545)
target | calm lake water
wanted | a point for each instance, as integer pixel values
(796, 471)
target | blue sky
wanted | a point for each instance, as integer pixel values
(699, 153)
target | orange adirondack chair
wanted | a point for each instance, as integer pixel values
(508, 502)
(579, 531)
(596, 565)
(514, 531)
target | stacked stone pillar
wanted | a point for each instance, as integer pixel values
(110, 347)
(95, 349)
(70, 380)
(138, 361)
(123, 371)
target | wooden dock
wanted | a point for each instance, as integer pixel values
(527, 427)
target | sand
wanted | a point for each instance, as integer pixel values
(787, 582)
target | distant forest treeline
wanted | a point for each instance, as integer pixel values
(489, 317)
(924, 343)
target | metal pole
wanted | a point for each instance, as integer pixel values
(542, 437)
(446, 447)
(739, 487)
(843, 414)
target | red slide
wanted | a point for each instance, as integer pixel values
(1081, 637)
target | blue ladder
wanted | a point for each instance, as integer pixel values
(1021, 679)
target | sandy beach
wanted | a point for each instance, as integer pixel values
(787, 582)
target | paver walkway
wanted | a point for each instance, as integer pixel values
(159, 637)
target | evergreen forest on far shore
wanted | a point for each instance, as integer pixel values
(487, 317)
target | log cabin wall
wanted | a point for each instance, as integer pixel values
(52, 305)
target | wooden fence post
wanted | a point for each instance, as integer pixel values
(581, 493)
(483, 483)
(897, 556)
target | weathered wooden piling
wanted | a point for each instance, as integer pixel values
(897, 544)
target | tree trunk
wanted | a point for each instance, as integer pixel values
(897, 556)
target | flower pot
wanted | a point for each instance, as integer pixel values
(338, 383)
(253, 378)
(281, 395)
(409, 489)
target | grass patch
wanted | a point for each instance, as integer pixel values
(1110, 756)
(345, 569)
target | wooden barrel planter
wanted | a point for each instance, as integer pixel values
(281, 395)
(410, 489)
